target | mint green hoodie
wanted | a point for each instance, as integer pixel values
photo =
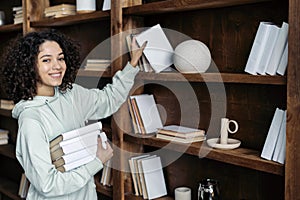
(42, 119)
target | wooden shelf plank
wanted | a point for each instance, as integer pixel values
(243, 157)
(202, 77)
(9, 188)
(8, 150)
(11, 28)
(72, 19)
(214, 77)
(93, 73)
(133, 197)
(183, 5)
(5, 112)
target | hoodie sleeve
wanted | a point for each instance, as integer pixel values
(33, 153)
(97, 104)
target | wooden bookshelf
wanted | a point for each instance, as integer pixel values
(228, 27)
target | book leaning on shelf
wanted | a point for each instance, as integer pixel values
(274, 147)
(148, 177)
(75, 148)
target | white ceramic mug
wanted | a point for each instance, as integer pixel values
(183, 193)
(225, 128)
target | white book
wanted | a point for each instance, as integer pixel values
(280, 143)
(135, 173)
(77, 163)
(283, 61)
(149, 112)
(158, 51)
(154, 177)
(258, 47)
(266, 56)
(77, 155)
(77, 143)
(81, 131)
(3, 141)
(142, 178)
(272, 136)
(278, 49)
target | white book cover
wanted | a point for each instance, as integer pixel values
(258, 47)
(283, 61)
(154, 177)
(79, 162)
(78, 143)
(280, 141)
(141, 175)
(266, 56)
(72, 157)
(149, 112)
(82, 130)
(272, 136)
(278, 49)
(158, 51)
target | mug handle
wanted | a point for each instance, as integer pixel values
(236, 126)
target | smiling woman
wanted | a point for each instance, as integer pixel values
(40, 69)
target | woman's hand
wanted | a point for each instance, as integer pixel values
(136, 52)
(104, 154)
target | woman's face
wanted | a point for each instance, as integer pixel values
(51, 67)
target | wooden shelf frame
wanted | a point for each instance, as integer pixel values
(243, 157)
(11, 28)
(169, 6)
(201, 77)
(71, 20)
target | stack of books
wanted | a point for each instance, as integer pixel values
(4, 136)
(181, 134)
(97, 64)
(269, 52)
(75, 148)
(6, 104)
(61, 10)
(274, 147)
(18, 14)
(148, 177)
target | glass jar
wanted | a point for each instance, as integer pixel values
(208, 190)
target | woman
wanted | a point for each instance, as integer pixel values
(40, 69)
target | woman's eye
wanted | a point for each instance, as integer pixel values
(61, 59)
(46, 60)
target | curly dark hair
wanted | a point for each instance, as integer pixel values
(19, 63)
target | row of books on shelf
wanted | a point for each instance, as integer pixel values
(147, 175)
(17, 14)
(6, 104)
(269, 52)
(4, 136)
(97, 64)
(275, 144)
(146, 119)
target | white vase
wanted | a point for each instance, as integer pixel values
(84, 6)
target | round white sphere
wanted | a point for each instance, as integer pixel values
(192, 56)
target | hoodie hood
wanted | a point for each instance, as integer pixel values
(37, 101)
